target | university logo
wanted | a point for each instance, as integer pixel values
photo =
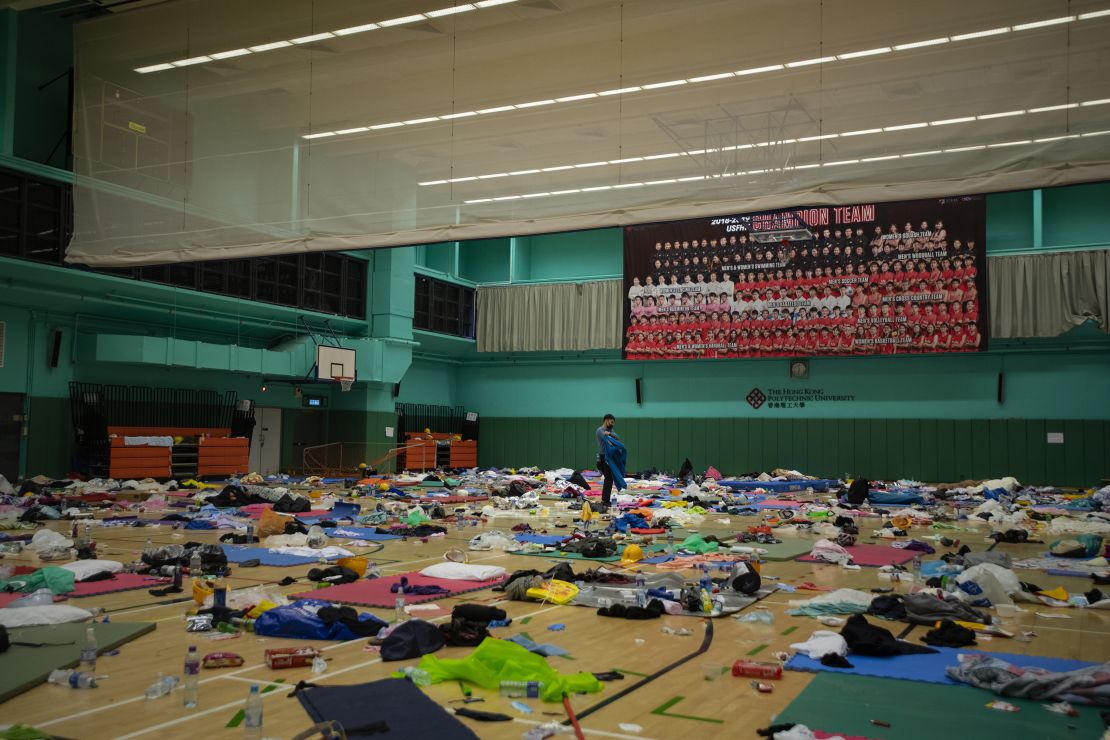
(756, 398)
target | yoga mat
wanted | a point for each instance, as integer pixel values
(345, 510)
(928, 668)
(401, 705)
(578, 556)
(785, 550)
(846, 704)
(359, 533)
(121, 582)
(873, 556)
(23, 668)
(254, 511)
(451, 499)
(543, 539)
(239, 554)
(375, 591)
(779, 486)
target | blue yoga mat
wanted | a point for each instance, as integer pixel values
(359, 533)
(543, 539)
(779, 486)
(238, 554)
(928, 668)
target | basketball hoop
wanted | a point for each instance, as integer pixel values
(345, 382)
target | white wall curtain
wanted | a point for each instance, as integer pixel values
(553, 316)
(1045, 295)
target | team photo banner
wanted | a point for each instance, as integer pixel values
(869, 279)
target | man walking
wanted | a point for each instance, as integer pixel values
(605, 435)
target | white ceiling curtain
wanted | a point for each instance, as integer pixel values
(532, 116)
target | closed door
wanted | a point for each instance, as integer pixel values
(11, 432)
(266, 442)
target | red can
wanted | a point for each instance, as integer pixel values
(757, 669)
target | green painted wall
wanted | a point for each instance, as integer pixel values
(484, 260)
(575, 254)
(44, 52)
(925, 449)
(1078, 215)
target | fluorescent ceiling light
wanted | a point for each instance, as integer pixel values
(1095, 133)
(818, 138)
(584, 165)
(1063, 106)
(1009, 143)
(838, 163)
(1055, 138)
(808, 62)
(879, 159)
(524, 172)
(670, 83)
(905, 126)
(806, 166)
(558, 168)
(272, 45)
(710, 78)
(230, 53)
(966, 148)
(565, 192)
(432, 182)
(535, 103)
(595, 188)
(415, 121)
(920, 44)
(1093, 14)
(624, 185)
(497, 109)
(620, 91)
(191, 61)
(464, 114)
(1102, 101)
(1042, 24)
(402, 20)
(491, 3)
(392, 124)
(981, 34)
(947, 121)
(861, 132)
(357, 29)
(313, 38)
(321, 135)
(463, 179)
(356, 130)
(153, 68)
(668, 155)
(921, 154)
(867, 53)
(758, 70)
(491, 177)
(572, 98)
(1006, 114)
(450, 11)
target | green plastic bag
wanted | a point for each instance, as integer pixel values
(58, 580)
(496, 660)
(416, 516)
(23, 732)
(695, 543)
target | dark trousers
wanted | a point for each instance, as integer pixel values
(607, 486)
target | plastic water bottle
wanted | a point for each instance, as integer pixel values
(162, 686)
(88, 651)
(250, 534)
(418, 676)
(192, 676)
(399, 605)
(252, 715)
(670, 541)
(527, 689)
(196, 567)
(87, 539)
(917, 568)
(706, 582)
(71, 678)
(641, 589)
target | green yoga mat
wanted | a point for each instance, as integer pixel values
(648, 551)
(23, 668)
(846, 704)
(785, 550)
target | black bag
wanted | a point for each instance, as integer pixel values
(857, 492)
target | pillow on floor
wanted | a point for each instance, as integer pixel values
(84, 569)
(31, 616)
(463, 571)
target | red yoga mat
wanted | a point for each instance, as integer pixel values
(872, 556)
(122, 582)
(375, 591)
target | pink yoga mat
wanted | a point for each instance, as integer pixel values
(872, 556)
(375, 592)
(122, 582)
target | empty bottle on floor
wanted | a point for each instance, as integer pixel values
(528, 689)
(192, 677)
(88, 651)
(418, 676)
(252, 715)
(641, 589)
(162, 686)
(196, 567)
(73, 679)
(399, 605)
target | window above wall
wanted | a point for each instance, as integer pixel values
(34, 217)
(443, 307)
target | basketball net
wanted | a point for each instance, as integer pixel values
(345, 382)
